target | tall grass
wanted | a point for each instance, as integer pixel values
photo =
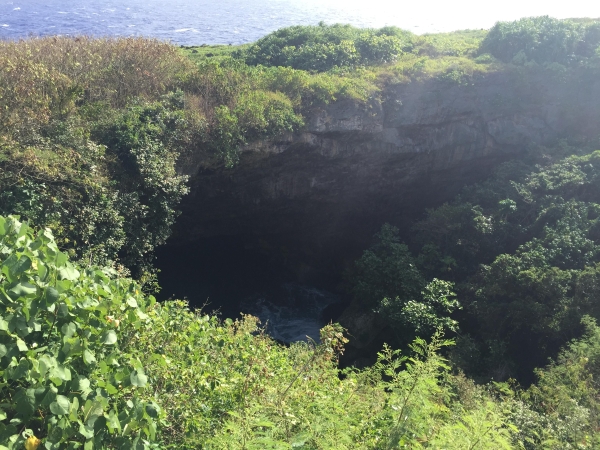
(42, 77)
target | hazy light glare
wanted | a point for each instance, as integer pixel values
(437, 15)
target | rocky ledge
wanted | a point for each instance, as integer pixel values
(315, 198)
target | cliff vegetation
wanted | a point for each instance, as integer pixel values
(489, 305)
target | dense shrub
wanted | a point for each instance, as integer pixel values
(541, 39)
(46, 77)
(523, 249)
(64, 377)
(387, 280)
(320, 48)
(109, 199)
(91, 132)
(86, 360)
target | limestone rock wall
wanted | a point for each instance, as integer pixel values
(317, 196)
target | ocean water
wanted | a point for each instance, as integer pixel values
(194, 22)
(295, 316)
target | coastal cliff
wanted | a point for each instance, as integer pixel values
(320, 194)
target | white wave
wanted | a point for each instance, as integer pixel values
(5, 25)
(184, 30)
(17, 9)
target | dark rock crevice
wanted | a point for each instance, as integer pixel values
(313, 199)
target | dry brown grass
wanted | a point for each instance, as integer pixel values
(42, 77)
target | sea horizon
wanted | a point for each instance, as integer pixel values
(197, 22)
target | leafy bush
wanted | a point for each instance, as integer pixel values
(64, 377)
(107, 203)
(561, 409)
(323, 47)
(91, 131)
(523, 249)
(86, 360)
(145, 139)
(229, 386)
(386, 279)
(44, 77)
(541, 39)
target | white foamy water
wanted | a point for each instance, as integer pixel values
(239, 21)
(296, 316)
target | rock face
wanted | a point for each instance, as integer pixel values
(316, 197)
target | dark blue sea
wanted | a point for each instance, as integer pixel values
(190, 22)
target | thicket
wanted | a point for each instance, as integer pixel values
(323, 47)
(87, 360)
(543, 40)
(522, 250)
(94, 134)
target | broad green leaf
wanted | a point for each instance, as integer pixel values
(24, 401)
(3, 324)
(108, 337)
(138, 378)
(20, 324)
(7, 266)
(83, 386)
(2, 414)
(63, 285)
(86, 432)
(92, 411)
(68, 273)
(48, 396)
(68, 329)
(60, 406)
(22, 229)
(20, 266)
(20, 371)
(63, 311)
(61, 259)
(21, 345)
(42, 271)
(88, 357)
(111, 389)
(46, 362)
(152, 411)
(113, 421)
(22, 290)
(3, 350)
(59, 374)
(74, 409)
(52, 295)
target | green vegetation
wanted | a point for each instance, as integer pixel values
(86, 360)
(523, 252)
(64, 372)
(387, 279)
(92, 132)
(95, 135)
(543, 40)
(324, 47)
